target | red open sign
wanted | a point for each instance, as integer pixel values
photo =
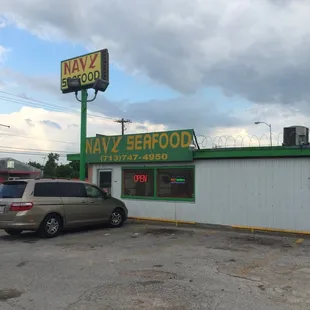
(141, 178)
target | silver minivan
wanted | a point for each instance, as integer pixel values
(50, 205)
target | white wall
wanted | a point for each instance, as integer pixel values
(273, 193)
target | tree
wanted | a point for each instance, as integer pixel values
(35, 165)
(75, 165)
(50, 168)
(65, 171)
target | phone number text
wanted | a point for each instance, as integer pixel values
(135, 157)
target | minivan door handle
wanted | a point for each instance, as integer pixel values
(88, 201)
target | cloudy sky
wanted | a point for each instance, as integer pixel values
(213, 65)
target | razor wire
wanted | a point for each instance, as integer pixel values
(228, 141)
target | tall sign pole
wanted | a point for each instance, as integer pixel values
(83, 134)
(80, 74)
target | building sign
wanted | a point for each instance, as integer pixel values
(149, 147)
(140, 178)
(177, 180)
(88, 68)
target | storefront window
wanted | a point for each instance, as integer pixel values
(175, 183)
(171, 183)
(138, 183)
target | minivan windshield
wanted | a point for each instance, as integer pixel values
(12, 189)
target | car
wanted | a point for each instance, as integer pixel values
(48, 206)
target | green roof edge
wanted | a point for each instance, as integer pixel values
(245, 152)
(252, 152)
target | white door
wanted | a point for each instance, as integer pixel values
(104, 180)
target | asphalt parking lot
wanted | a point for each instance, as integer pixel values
(154, 267)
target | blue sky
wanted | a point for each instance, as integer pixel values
(32, 56)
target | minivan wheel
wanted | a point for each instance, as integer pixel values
(13, 232)
(50, 226)
(117, 218)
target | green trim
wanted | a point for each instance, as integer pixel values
(154, 169)
(194, 183)
(176, 167)
(158, 167)
(138, 168)
(73, 157)
(245, 152)
(155, 183)
(252, 152)
(159, 198)
(139, 197)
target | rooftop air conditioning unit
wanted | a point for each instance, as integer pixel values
(295, 136)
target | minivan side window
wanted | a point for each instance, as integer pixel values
(72, 189)
(46, 189)
(93, 191)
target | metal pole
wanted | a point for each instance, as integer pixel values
(123, 121)
(270, 135)
(123, 126)
(83, 134)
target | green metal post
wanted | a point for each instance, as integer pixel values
(83, 134)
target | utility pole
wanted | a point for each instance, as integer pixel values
(123, 122)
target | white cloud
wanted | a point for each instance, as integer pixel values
(2, 22)
(3, 53)
(37, 132)
(249, 134)
(257, 49)
(170, 112)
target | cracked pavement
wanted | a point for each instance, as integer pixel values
(143, 266)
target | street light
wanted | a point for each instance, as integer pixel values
(270, 133)
(5, 126)
(74, 83)
(101, 85)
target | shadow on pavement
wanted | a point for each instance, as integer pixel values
(32, 237)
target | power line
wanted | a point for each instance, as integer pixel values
(31, 104)
(123, 121)
(42, 104)
(30, 99)
(56, 108)
(31, 137)
(28, 153)
(30, 149)
(51, 108)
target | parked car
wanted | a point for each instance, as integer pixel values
(50, 205)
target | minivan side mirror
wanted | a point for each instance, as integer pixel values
(106, 195)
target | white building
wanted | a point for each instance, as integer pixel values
(259, 188)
